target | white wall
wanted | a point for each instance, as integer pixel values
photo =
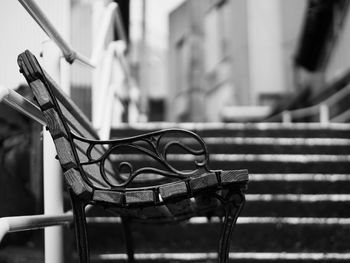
(20, 32)
(265, 47)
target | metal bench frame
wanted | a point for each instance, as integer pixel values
(86, 163)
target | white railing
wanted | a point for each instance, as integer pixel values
(107, 61)
(21, 104)
(39, 16)
(321, 110)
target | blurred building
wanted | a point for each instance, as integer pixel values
(229, 53)
(322, 63)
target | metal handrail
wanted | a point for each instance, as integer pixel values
(21, 104)
(42, 20)
(32, 222)
(112, 13)
(111, 16)
(314, 109)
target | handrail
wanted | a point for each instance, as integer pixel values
(111, 14)
(39, 16)
(106, 90)
(314, 109)
(22, 223)
(21, 104)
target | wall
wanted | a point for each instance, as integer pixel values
(19, 32)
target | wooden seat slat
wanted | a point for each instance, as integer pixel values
(113, 197)
(54, 123)
(139, 197)
(231, 176)
(41, 94)
(173, 190)
(205, 181)
(75, 181)
(65, 153)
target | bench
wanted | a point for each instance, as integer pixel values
(158, 192)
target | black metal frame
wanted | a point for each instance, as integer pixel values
(150, 144)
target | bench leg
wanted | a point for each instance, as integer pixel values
(233, 204)
(80, 229)
(128, 239)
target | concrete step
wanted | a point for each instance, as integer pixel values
(299, 183)
(245, 257)
(262, 163)
(284, 205)
(293, 130)
(280, 234)
(276, 146)
(263, 145)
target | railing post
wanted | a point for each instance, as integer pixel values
(53, 191)
(286, 117)
(324, 114)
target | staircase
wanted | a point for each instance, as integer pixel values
(298, 201)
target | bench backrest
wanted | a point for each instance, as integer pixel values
(65, 120)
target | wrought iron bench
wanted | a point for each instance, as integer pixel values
(160, 192)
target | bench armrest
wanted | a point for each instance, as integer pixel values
(156, 149)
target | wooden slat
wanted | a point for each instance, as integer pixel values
(203, 182)
(65, 153)
(231, 176)
(41, 94)
(54, 124)
(173, 190)
(139, 197)
(29, 66)
(76, 182)
(113, 197)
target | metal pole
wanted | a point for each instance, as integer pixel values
(324, 114)
(286, 117)
(21, 104)
(143, 65)
(53, 194)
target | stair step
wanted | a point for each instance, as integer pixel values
(200, 220)
(277, 235)
(242, 145)
(245, 257)
(298, 187)
(296, 208)
(292, 130)
(227, 148)
(265, 163)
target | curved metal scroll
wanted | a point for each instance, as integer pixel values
(156, 149)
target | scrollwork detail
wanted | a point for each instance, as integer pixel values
(156, 146)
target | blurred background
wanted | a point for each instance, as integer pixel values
(243, 65)
(206, 60)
